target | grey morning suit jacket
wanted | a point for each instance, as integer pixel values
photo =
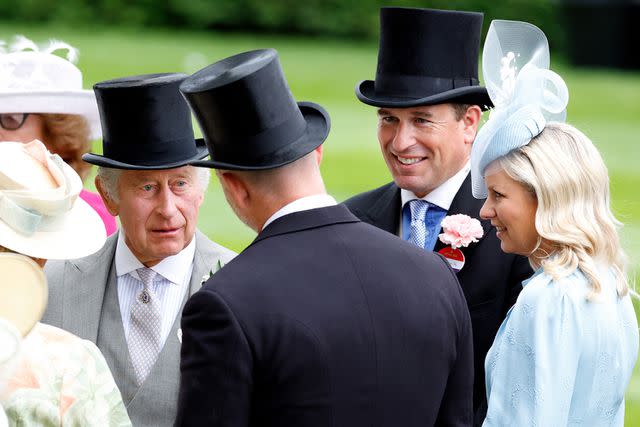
(83, 300)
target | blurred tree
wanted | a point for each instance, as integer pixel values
(339, 18)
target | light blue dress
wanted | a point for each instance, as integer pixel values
(559, 359)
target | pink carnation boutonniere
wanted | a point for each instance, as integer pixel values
(459, 232)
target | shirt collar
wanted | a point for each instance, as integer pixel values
(302, 204)
(442, 195)
(173, 268)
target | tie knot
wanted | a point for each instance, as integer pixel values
(146, 275)
(418, 209)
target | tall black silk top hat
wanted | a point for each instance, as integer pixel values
(248, 116)
(146, 124)
(426, 57)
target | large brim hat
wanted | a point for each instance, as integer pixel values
(37, 81)
(248, 115)
(146, 124)
(426, 57)
(23, 294)
(41, 215)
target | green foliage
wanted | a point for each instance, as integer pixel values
(351, 18)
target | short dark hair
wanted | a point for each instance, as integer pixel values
(460, 110)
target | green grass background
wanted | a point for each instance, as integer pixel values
(605, 104)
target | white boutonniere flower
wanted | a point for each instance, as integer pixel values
(211, 272)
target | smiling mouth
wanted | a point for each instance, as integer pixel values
(410, 160)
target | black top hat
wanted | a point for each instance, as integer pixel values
(426, 57)
(248, 116)
(146, 124)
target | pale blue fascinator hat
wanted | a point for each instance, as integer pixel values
(525, 93)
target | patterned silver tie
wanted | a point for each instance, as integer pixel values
(144, 337)
(418, 231)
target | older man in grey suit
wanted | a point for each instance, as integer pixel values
(127, 298)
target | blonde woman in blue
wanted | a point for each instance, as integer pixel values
(565, 353)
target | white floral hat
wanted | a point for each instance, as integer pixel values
(34, 80)
(41, 215)
(525, 93)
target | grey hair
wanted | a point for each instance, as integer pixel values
(109, 178)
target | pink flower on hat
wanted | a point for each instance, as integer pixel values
(460, 230)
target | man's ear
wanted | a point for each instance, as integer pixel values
(235, 188)
(112, 206)
(471, 121)
(318, 153)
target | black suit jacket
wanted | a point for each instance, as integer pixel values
(491, 279)
(327, 321)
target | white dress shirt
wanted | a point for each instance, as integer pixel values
(441, 196)
(302, 204)
(170, 284)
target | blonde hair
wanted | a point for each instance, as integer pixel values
(569, 179)
(68, 136)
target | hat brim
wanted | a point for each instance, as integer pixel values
(316, 132)
(23, 296)
(475, 95)
(80, 233)
(81, 102)
(99, 160)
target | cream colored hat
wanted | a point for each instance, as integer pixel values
(41, 215)
(34, 80)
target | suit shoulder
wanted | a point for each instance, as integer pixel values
(364, 200)
(54, 270)
(213, 249)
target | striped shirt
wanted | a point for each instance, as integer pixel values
(170, 284)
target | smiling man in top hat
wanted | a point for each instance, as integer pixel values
(429, 106)
(127, 297)
(309, 325)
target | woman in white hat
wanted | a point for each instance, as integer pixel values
(41, 97)
(56, 378)
(565, 353)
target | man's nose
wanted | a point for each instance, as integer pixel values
(403, 138)
(167, 203)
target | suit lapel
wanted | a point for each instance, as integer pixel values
(385, 211)
(464, 203)
(203, 263)
(84, 288)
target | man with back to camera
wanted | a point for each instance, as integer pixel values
(322, 320)
(429, 107)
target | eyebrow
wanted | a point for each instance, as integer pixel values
(137, 180)
(422, 114)
(415, 113)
